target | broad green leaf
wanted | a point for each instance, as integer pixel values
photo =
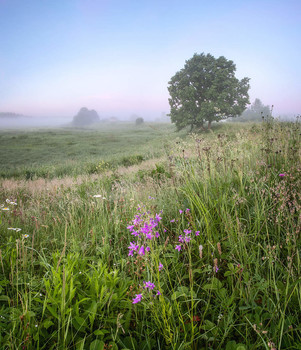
(231, 345)
(101, 332)
(47, 324)
(80, 344)
(208, 325)
(79, 323)
(240, 347)
(52, 311)
(97, 345)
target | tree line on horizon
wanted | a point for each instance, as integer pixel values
(204, 91)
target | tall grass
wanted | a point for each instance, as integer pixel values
(221, 218)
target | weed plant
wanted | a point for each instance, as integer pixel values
(200, 252)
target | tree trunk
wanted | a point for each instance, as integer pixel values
(200, 126)
(209, 125)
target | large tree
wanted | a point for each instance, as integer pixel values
(206, 90)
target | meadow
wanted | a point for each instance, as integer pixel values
(167, 241)
(52, 153)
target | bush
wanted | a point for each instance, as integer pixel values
(132, 160)
(139, 121)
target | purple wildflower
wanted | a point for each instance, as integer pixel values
(137, 220)
(160, 266)
(281, 175)
(180, 211)
(149, 285)
(157, 234)
(187, 210)
(133, 246)
(158, 293)
(141, 251)
(173, 220)
(187, 239)
(197, 233)
(135, 233)
(147, 249)
(187, 232)
(181, 239)
(137, 299)
(178, 248)
(158, 218)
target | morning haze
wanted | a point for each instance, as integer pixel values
(150, 188)
(118, 57)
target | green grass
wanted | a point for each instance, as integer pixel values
(61, 152)
(70, 284)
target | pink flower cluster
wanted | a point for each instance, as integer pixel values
(185, 238)
(146, 285)
(143, 227)
(137, 299)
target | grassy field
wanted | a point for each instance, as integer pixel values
(50, 153)
(195, 247)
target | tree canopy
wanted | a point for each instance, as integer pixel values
(139, 121)
(206, 90)
(85, 117)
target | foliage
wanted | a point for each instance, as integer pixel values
(132, 160)
(85, 117)
(219, 223)
(139, 121)
(206, 90)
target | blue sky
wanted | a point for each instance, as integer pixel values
(117, 57)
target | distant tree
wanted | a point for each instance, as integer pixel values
(259, 108)
(85, 117)
(255, 112)
(139, 121)
(206, 90)
(10, 115)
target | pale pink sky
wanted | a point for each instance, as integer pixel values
(117, 56)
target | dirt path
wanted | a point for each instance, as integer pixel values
(41, 185)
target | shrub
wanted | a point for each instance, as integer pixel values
(139, 121)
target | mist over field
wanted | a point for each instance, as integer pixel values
(22, 122)
(32, 122)
(150, 175)
(25, 122)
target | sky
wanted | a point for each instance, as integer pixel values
(117, 56)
